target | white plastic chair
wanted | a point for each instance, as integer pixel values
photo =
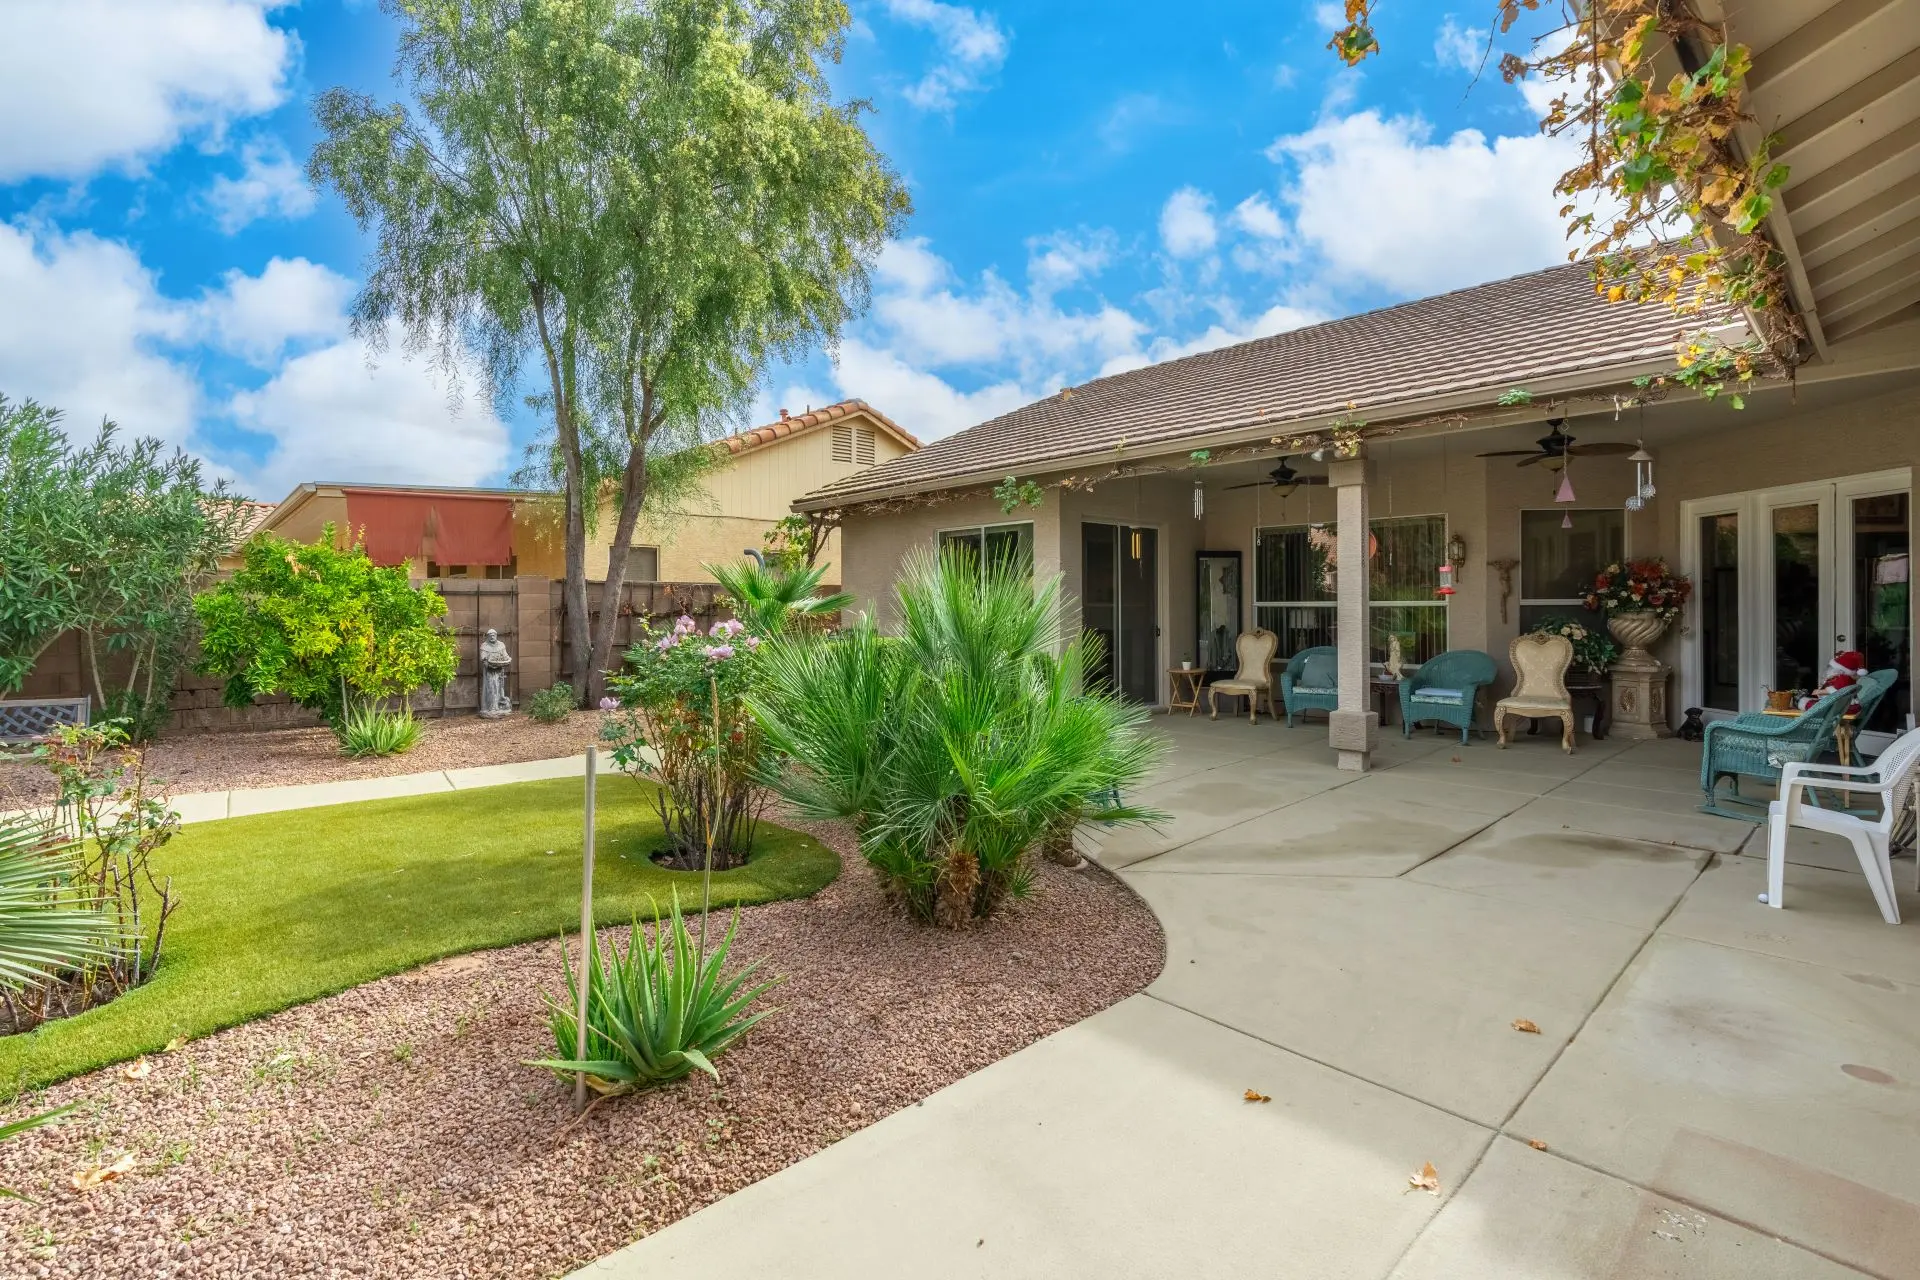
(1891, 778)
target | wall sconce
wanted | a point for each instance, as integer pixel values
(1135, 544)
(1457, 549)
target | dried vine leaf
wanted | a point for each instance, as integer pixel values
(88, 1179)
(138, 1069)
(1536, 1144)
(1254, 1095)
(1426, 1179)
(1527, 1025)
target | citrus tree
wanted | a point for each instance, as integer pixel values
(323, 625)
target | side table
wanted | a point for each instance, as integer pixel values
(1183, 688)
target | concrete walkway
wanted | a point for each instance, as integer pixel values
(1722, 1090)
(206, 806)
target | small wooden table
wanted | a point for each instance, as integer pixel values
(1387, 689)
(1183, 688)
(1580, 685)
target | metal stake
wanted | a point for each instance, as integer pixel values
(586, 934)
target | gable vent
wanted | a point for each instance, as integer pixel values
(863, 446)
(843, 443)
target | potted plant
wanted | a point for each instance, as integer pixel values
(1593, 649)
(1641, 597)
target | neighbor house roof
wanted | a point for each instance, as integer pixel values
(1472, 344)
(800, 423)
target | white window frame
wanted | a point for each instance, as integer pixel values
(981, 530)
(1438, 602)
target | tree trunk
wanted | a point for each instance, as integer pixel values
(633, 493)
(560, 358)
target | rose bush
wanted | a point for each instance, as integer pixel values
(676, 717)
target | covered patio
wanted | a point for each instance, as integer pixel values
(1714, 1088)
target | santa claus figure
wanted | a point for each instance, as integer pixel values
(1843, 672)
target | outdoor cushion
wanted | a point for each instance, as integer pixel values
(1320, 673)
(1452, 697)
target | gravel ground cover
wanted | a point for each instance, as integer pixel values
(191, 762)
(392, 1130)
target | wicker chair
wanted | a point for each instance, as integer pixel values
(1446, 688)
(1757, 745)
(1541, 662)
(1255, 676)
(1873, 687)
(1311, 681)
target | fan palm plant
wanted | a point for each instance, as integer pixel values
(47, 926)
(767, 600)
(955, 746)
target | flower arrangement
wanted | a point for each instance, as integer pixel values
(1640, 586)
(1593, 648)
(677, 718)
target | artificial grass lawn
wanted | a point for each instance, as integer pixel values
(281, 908)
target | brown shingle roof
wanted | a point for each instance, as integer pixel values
(759, 437)
(1549, 324)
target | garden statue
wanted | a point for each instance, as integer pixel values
(494, 661)
(1396, 659)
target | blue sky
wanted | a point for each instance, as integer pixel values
(1096, 187)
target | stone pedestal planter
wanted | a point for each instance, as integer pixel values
(1639, 678)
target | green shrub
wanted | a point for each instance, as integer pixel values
(370, 731)
(48, 923)
(654, 1014)
(956, 747)
(552, 704)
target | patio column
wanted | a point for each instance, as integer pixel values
(1354, 730)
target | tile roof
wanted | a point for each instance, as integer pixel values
(1548, 324)
(790, 424)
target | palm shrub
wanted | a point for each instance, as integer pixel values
(50, 924)
(767, 600)
(956, 746)
(655, 1013)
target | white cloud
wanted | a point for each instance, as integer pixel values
(1187, 227)
(339, 414)
(1329, 17)
(1256, 217)
(922, 402)
(256, 317)
(96, 83)
(1462, 48)
(971, 42)
(1227, 332)
(270, 184)
(1381, 203)
(82, 330)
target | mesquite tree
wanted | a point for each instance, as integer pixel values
(648, 198)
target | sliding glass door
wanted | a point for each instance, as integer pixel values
(1120, 608)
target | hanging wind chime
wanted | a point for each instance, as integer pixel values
(1564, 494)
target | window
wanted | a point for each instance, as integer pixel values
(993, 544)
(1296, 585)
(446, 570)
(643, 564)
(853, 444)
(1558, 565)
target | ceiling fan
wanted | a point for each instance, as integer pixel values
(1557, 445)
(1281, 477)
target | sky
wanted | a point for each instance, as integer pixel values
(1097, 186)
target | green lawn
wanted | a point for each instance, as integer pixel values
(279, 908)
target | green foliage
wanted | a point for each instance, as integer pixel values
(652, 200)
(768, 599)
(329, 628)
(680, 721)
(1515, 395)
(1593, 648)
(48, 923)
(552, 704)
(1013, 491)
(655, 1013)
(955, 747)
(793, 543)
(108, 540)
(369, 730)
(288, 907)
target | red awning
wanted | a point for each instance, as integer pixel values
(444, 528)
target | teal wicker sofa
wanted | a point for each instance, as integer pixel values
(1758, 745)
(1446, 689)
(1311, 681)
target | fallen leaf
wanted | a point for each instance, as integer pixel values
(88, 1179)
(1254, 1095)
(1456, 759)
(1536, 1144)
(138, 1069)
(175, 1045)
(1527, 1025)
(1427, 1179)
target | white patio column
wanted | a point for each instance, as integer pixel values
(1354, 730)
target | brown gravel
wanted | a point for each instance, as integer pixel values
(277, 757)
(392, 1130)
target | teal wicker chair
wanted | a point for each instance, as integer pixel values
(1872, 688)
(1311, 681)
(1446, 689)
(1757, 745)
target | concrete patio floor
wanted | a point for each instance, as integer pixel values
(1723, 1090)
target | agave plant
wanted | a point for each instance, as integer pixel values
(369, 730)
(766, 600)
(655, 1013)
(48, 926)
(955, 747)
